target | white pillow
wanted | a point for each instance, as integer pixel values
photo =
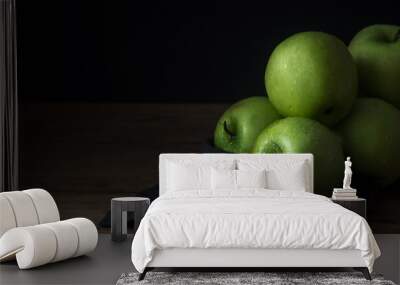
(187, 177)
(193, 174)
(281, 175)
(291, 179)
(225, 179)
(251, 178)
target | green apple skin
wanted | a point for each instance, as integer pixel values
(239, 126)
(312, 75)
(302, 135)
(371, 136)
(376, 51)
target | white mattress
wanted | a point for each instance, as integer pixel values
(255, 219)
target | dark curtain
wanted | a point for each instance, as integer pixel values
(8, 97)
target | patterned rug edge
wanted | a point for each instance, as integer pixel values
(268, 278)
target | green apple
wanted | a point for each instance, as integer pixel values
(240, 125)
(371, 136)
(312, 75)
(302, 135)
(376, 51)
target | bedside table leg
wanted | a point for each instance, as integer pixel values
(116, 222)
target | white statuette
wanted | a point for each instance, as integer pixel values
(347, 174)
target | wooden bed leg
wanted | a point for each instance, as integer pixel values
(143, 274)
(364, 271)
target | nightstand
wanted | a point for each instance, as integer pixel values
(358, 205)
(119, 216)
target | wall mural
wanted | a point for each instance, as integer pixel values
(104, 89)
(330, 100)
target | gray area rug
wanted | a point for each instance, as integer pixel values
(231, 278)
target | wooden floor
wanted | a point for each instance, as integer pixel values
(87, 153)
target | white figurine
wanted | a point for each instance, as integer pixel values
(347, 174)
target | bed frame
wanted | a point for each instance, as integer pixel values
(246, 258)
(242, 259)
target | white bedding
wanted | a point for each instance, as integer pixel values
(250, 219)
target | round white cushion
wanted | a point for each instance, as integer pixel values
(26, 208)
(33, 246)
(41, 244)
(7, 219)
(23, 208)
(67, 240)
(45, 205)
(87, 234)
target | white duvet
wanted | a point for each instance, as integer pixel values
(250, 219)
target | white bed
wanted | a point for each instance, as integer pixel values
(249, 227)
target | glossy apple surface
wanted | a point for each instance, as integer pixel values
(239, 126)
(302, 135)
(376, 51)
(312, 75)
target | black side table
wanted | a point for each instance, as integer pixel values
(358, 205)
(119, 212)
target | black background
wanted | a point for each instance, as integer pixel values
(166, 51)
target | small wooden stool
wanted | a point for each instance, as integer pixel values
(119, 215)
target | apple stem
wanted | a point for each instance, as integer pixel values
(227, 130)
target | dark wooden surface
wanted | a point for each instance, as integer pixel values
(358, 206)
(87, 153)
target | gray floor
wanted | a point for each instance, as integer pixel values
(103, 266)
(389, 262)
(110, 260)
